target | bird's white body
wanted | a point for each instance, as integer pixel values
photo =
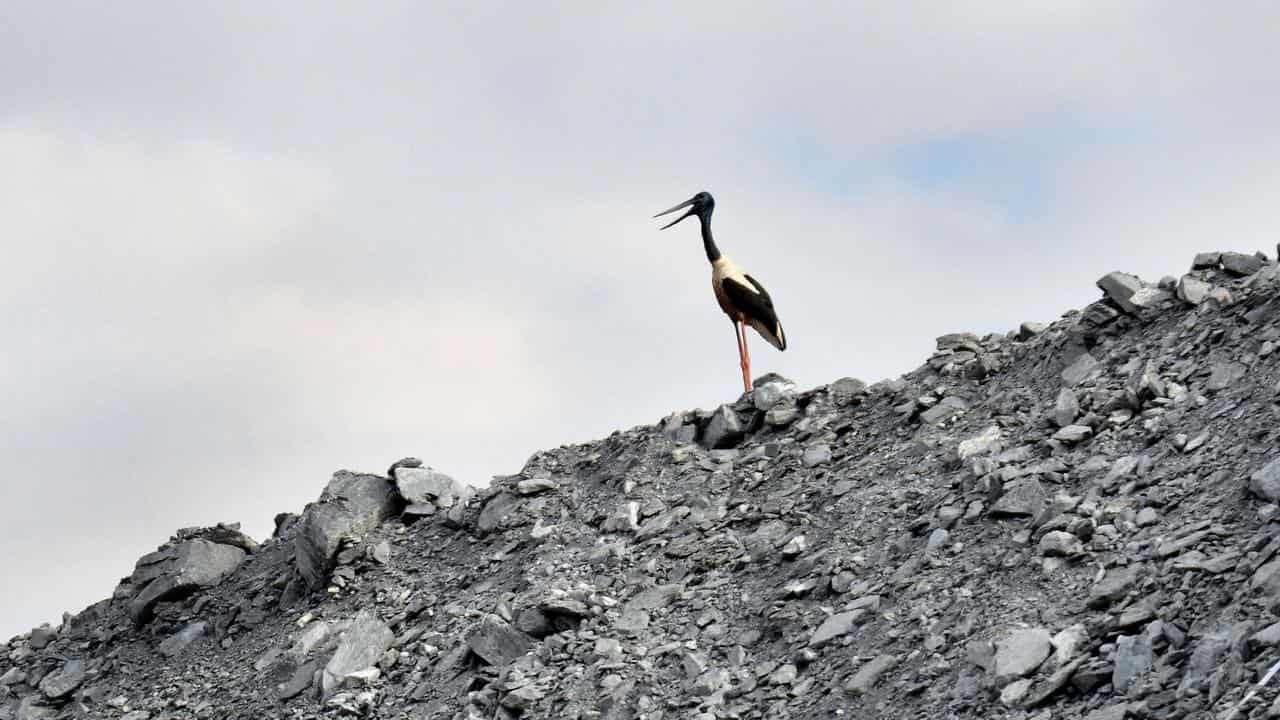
(723, 268)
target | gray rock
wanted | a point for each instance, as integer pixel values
(989, 440)
(380, 552)
(1266, 637)
(533, 486)
(1057, 543)
(1019, 652)
(1206, 261)
(1192, 290)
(1265, 483)
(1239, 264)
(39, 638)
(1066, 408)
(1110, 712)
(626, 519)
(1028, 330)
(179, 570)
(1069, 643)
(351, 504)
(782, 414)
(32, 707)
(62, 682)
(1073, 434)
(1022, 498)
(497, 512)
(301, 679)
(944, 410)
(1114, 586)
(835, 627)
(1133, 659)
(846, 390)
(938, 540)
(418, 485)
(496, 642)
(1119, 288)
(1080, 370)
(709, 682)
(869, 674)
(1225, 374)
(181, 640)
(361, 645)
(769, 393)
(816, 455)
(723, 429)
(1013, 693)
(13, 676)
(1205, 659)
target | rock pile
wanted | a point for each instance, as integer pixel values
(1078, 519)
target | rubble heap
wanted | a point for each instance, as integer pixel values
(1077, 519)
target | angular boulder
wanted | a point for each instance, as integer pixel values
(1120, 288)
(351, 504)
(179, 570)
(424, 485)
(362, 645)
(496, 642)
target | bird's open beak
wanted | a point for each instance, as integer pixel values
(686, 203)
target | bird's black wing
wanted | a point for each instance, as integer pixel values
(756, 304)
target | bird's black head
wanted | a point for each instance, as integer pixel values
(701, 205)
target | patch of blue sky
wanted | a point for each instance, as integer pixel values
(1013, 169)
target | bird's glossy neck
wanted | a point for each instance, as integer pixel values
(708, 242)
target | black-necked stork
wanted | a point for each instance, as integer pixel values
(741, 297)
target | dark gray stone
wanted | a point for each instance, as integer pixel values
(1066, 408)
(179, 570)
(496, 642)
(351, 504)
(1206, 261)
(1022, 498)
(1073, 434)
(1225, 374)
(835, 627)
(1133, 659)
(1119, 288)
(62, 682)
(302, 678)
(723, 429)
(816, 455)
(1265, 483)
(1019, 652)
(32, 707)
(181, 640)
(1114, 586)
(846, 390)
(944, 410)
(1080, 370)
(40, 637)
(869, 674)
(497, 512)
(1239, 264)
(360, 647)
(1028, 330)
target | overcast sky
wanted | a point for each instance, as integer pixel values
(250, 243)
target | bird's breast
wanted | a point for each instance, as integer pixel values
(721, 270)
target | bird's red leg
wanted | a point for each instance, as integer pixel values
(745, 356)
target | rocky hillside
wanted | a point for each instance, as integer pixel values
(1073, 520)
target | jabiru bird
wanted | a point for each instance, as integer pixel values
(741, 296)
